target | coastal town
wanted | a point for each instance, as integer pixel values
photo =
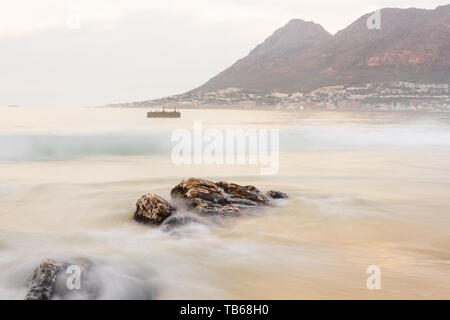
(385, 96)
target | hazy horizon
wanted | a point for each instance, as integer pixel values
(135, 50)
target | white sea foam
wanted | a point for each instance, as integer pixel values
(61, 146)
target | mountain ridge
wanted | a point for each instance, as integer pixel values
(412, 44)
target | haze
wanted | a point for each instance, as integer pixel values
(136, 50)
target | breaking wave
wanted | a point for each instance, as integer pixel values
(63, 146)
(46, 146)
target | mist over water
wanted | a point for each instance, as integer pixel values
(365, 189)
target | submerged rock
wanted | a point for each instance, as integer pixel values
(153, 209)
(221, 198)
(277, 194)
(42, 281)
(66, 284)
(49, 279)
(178, 221)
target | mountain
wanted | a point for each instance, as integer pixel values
(285, 44)
(412, 45)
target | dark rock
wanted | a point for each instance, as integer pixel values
(42, 281)
(196, 191)
(277, 194)
(220, 198)
(250, 194)
(89, 281)
(152, 209)
(178, 221)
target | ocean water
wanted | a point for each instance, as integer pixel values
(366, 188)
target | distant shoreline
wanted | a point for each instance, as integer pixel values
(268, 108)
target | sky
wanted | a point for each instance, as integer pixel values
(96, 52)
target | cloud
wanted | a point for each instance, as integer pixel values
(19, 17)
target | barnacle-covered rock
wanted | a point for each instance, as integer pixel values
(42, 281)
(221, 198)
(152, 209)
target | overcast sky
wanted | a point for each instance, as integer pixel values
(94, 52)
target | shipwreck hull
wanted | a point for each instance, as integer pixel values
(163, 114)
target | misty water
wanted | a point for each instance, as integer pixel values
(366, 188)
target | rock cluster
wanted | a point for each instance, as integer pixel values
(204, 197)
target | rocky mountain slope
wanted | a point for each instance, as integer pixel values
(412, 45)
